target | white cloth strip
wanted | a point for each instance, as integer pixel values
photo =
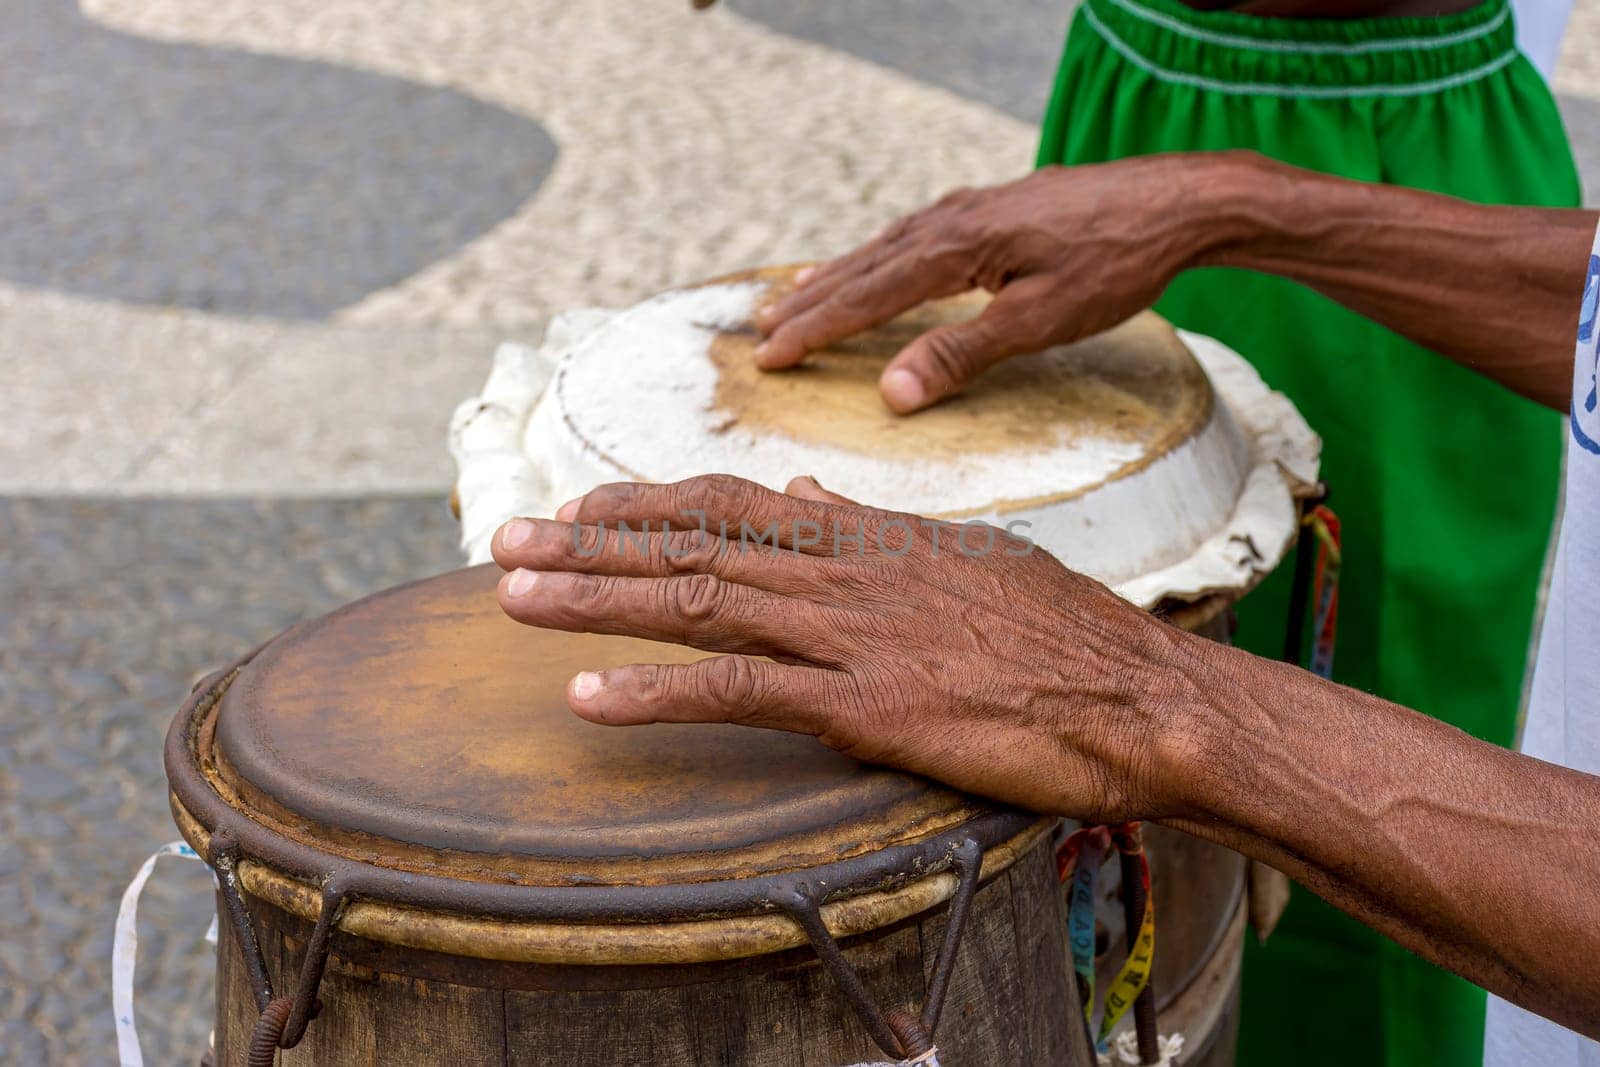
(125, 951)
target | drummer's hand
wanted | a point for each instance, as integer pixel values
(982, 662)
(1067, 252)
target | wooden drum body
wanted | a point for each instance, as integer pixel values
(389, 1004)
(498, 881)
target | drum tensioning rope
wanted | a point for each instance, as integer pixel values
(899, 1033)
(283, 1020)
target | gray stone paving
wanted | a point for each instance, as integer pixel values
(107, 611)
(1004, 55)
(180, 174)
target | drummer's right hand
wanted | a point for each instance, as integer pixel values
(1067, 251)
(958, 652)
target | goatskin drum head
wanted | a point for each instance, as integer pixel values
(420, 729)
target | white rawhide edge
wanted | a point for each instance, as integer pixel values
(1283, 451)
(1224, 512)
(496, 480)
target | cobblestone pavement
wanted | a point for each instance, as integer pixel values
(436, 177)
(108, 610)
(180, 174)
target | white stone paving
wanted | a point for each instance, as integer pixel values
(104, 398)
(1578, 69)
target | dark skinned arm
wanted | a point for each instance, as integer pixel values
(1071, 251)
(1015, 678)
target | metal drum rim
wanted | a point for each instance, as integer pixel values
(672, 923)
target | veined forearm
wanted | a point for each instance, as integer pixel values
(1479, 859)
(1493, 288)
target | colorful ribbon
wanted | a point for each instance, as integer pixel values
(1324, 525)
(1079, 859)
(1135, 972)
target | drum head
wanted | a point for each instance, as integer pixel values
(1046, 428)
(1161, 465)
(421, 730)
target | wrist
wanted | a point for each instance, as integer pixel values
(1184, 747)
(1216, 728)
(1245, 210)
(1160, 730)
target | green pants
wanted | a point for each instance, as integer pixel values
(1445, 483)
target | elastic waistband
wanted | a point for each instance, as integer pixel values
(1248, 54)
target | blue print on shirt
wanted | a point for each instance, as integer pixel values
(1586, 405)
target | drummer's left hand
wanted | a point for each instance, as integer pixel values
(974, 658)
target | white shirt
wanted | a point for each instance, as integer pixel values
(1563, 723)
(1540, 24)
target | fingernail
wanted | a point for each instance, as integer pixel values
(585, 685)
(520, 582)
(568, 511)
(804, 273)
(902, 389)
(761, 349)
(515, 533)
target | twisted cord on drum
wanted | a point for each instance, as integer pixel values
(915, 1041)
(269, 1029)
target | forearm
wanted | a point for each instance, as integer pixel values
(1479, 859)
(1492, 288)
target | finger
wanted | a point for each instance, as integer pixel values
(736, 689)
(547, 545)
(859, 304)
(699, 610)
(820, 280)
(737, 509)
(817, 282)
(808, 488)
(893, 234)
(942, 361)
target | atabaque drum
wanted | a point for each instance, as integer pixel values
(1155, 461)
(424, 857)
